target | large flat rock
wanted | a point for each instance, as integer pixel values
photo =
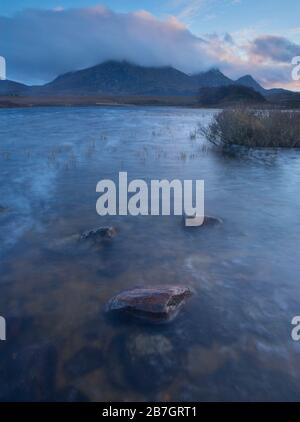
(155, 304)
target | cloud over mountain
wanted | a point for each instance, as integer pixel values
(40, 44)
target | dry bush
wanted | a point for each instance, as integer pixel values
(249, 128)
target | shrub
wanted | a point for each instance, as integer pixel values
(255, 128)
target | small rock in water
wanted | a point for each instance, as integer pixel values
(209, 221)
(212, 221)
(154, 304)
(102, 233)
(97, 235)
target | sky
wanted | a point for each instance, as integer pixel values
(41, 39)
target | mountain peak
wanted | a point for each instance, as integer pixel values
(211, 78)
(250, 82)
(215, 70)
(247, 78)
(211, 71)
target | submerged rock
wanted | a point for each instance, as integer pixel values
(209, 221)
(204, 361)
(70, 394)
(68, 243)
(101, 233)
(86, 360)
(150, 361)
(154, 304)
(28, 374)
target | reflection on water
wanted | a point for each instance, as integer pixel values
(232, 341)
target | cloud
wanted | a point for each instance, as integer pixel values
(189, 9)
(267, 58)
(40, 44)
(276, 49)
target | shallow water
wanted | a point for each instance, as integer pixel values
(233, 339)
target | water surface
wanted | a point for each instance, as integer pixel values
(233, 339)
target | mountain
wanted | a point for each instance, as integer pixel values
(250, 82)
(229, 95)
(12, 88)
(211, 78)
(284, 98)
(123, 78)
(114, 78)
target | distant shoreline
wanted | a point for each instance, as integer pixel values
(71, 101)
(14, 101)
